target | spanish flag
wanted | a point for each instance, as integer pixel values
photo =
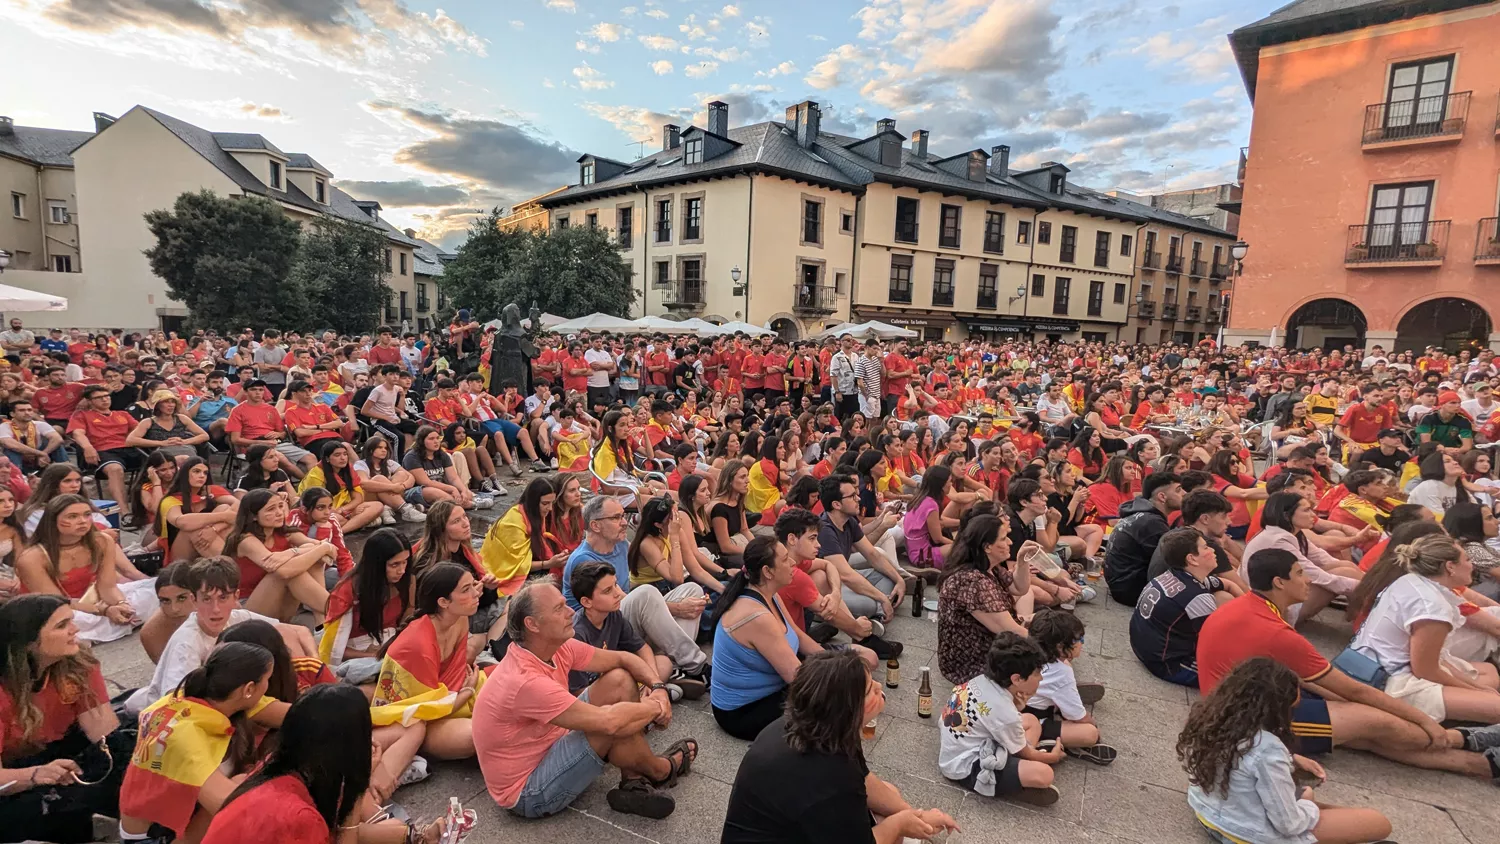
(182, 741)
(572, 451)
(340, 631)
(507, 553)
(415, 685)
(764, 490)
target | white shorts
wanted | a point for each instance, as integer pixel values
(1423, 695)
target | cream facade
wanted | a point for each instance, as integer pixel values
(1183, 284)
(38, 223)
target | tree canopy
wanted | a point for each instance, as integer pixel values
(340, 269)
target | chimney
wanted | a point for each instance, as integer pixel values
(1000, 160)
(793, 118)
(671, 137)
(7, 126)
(411, 233)
(718, 118)
(885, 125)
(102, 121)
(919, 143)
(809, 121)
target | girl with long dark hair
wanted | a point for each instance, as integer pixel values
(1087, 454)
(1231, 481)
(567, 513)
(387, 481)
(982, 592)
(335, 473)
(193, 519)
(280, 569)
(263, 471)
(926, 544)
(57, 479)
(523, 539)
(1474, 526)
(1286, 520)
(366, 606)
(151, 485)
(731, 532)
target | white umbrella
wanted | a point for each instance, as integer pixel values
(837, 331)
(752, 330)
(701, 326)
(595, 322)
(662, 325)
(886, 331)
(21, 299)
(866, 330)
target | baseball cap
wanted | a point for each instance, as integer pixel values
(1447, 396)
(1389, 432)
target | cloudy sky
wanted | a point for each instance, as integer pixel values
(438, 112)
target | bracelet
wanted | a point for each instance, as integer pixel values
(32, 783)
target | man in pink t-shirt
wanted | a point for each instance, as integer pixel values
(539, 747)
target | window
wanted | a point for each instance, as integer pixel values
(1174, 247)
(942, 283)
(1126, 241)
(693, 151)
(1043, 232)
(592, 219)
(1023, 232)
(906, 219)
(1150, 245)
(989, 287)
(586, 174)
(812, 222)
(421, 296)
(948, 234)
(1060, 295)
(692, 281)
(388, 264)
(840, 283)
(18, 205)
(1398, 218)
(1096, 298)
(1057, 183)
(1418, 95)
(1144, 294)
(846, 223)
(1218, 257)
(1192, 298)
(1038, 285)
(405, 308)
(1119, 294)
(994, 232)
(57, 212)
(402, 256)
(625, 224)
(1101, 249)
(900, 292)
(320, 191)
(663, 221)
(663, 274)
(1213, 303)
(1069, 246)
(692, 223)
(563, 222)
(62, 263)
(276, 175)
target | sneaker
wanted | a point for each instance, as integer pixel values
(638, 797)
(1068, 606)
(884, 649)
(487, 486)
(414, 773)
(1480, 739)
(701, 673)
(1099, 754)
(539, 466)
(1089, 594)
(500, 490)
(552, 463)
(387, 517)
(821, 632)
(876, 628)
(674, 692)
(1090, 693)
(1038, 796)
(515, 469)
(483, 502)
(688, 688)
(412, 514)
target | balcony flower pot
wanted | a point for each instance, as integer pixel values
(1359, 253)
(1426, 250)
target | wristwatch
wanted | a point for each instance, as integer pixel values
(658, 687)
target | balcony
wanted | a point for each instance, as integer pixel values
(1146, 310)
(822, 299)
(1174, 264)
(1194, 313)
(1212, 317)
(987, 300)
(1150, 260)
(390, 313)
(1199, 268)
(1421, 121)
(406, 314)
(1385, 245)
(685, 294)
(942, 297)
(1487, 246)
(423, 305)
(1169, 311)
(1219, 272)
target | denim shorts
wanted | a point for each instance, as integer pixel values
(568, 769)
(413, 496)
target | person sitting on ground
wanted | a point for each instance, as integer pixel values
(315, 517)
(1369, 502)
(176, 779)
(57, 479)
(523, 540)
(815, 587)
(433, 469)
(335, 473)
(805, 779)
(1032, 521)
(1286, 519)
(669, 623)
(367, 606)
(926, 544)
(1174, 604)
(1238, 748)
(1060, 699)
(446, 538)
(1208, 512)
(986, 743)
(387, 482)
(1475, 526)
(601, 624)
(151, 485)
(1334, 709)
(53, 707)
(756, 648)
(663, 554)
(1142, 523)
(983, 592)
(470, 462)
(72, 558)
(263, 471)
(196, 515)
(872, 583)
(540, 747)
(174, 601)
(281, 570)
(1442, 483)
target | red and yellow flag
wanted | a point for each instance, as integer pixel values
(182, 741)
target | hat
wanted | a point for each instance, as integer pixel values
(160, 396)
(253, 383)
(1446, 396)
(1389, 432)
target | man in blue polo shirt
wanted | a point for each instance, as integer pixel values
(211, 411)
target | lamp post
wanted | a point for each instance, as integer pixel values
(1020, 293)
(1237, 252)
(738, 290)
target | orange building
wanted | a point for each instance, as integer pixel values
(1372, 188)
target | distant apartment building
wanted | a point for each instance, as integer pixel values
(1372, 186)
(528, 216)
(1184, 268)
(39, 223)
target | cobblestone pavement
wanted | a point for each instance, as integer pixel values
(1141, 797)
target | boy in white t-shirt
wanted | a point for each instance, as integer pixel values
(987, 743)
(1060, 700)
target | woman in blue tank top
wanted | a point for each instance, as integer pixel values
(756, 644)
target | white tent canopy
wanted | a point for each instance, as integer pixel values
(752, 330)
(866, 330)
(15, 299)
(595, 322)
(662, 325)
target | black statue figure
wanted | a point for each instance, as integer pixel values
(512, 351)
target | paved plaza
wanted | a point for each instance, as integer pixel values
(1141, 797)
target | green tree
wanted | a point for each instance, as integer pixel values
(571, 272)
(340, 268)
(472, 279)
(227, 260)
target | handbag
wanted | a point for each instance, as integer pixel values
(1362, 667)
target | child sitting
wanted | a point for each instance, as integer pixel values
(316, 519)
(1060, 699)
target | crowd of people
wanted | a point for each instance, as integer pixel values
(738, 518)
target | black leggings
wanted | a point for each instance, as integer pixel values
(65, 814)
(747, 721)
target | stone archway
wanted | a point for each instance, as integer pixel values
(788, 329)
(1326, 324)
(1449, 323)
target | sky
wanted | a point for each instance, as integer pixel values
(442, 112)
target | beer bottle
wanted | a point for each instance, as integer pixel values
(916, 598)
(892, 673)
(924, 694)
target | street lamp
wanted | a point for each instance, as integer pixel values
(1237, 252)
(4, 260)
(1020, 293)
(734, 275)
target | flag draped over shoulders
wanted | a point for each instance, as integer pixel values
(415, 683)
(182, 741)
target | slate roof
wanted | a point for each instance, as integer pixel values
(47, 147)
(1165, 217)
(246, 140)
(429, 259)
(1305, 19)
(303, 161)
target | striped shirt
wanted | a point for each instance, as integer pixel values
(867, 369)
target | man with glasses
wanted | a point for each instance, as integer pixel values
(669, 623)
(872, 585)
(101, 433)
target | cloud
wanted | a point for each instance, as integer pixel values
(568, 6)
(838, 67)
(658, 14)
(608, 32)
(409, 193)
(1116, 122)
(756, 29)
(662, 67)
(784, 69)
(518, 24)
(486, 151)
(732, 54)
(1195, 57)
(585, 47)
(590, 79)
(637, 124)
(701, 69)
(730, 11)
(628, 11)
(658, 42)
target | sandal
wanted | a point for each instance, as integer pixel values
(636, 796)
(686, 750)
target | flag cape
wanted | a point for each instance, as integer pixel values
(506, 552)
(414, 684)
(182, 741)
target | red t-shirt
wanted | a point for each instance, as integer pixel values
(658, 378)
(279, 810)
(380, 355)
(253, 421)
(105, 430)
(754, 368)
(798, 595)
(1240, 515)
(1365, 425)
(76, 351)
(575, 383)
(60, 709)
(318, 414)
(1250, 626)
(58, 402)
(775, 380)
(444, 411)
(802, 370)
(546, 358)
(900, 372)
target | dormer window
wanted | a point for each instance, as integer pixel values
(586, 174)
(693, 151)
(1058, 182)
(320, 191)
(276, 175)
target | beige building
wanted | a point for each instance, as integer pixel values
(785, 225)
(39, 224)
(143, 161)
(528, 216)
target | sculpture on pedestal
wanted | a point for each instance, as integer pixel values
(512, 351)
